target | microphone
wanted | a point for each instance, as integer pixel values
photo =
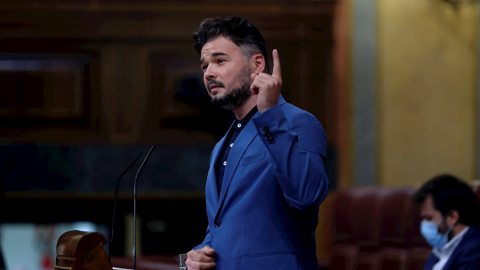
(115, 204)
(135, 208)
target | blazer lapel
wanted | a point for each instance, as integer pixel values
(468, 236)
(239, 148)
(212, 176)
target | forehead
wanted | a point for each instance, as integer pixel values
(428, 207)
(219, 45)
(428, 202)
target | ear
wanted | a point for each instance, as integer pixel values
(257, 63)
(453, 217)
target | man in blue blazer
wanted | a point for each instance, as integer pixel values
(267, 176)
(451, 223)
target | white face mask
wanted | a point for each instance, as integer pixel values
(429, 230)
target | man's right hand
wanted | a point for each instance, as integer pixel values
(200, 259)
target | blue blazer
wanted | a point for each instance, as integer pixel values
(267, 211)
(465, 257)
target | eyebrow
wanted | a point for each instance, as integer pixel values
(216, 54)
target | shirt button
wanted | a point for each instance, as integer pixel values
(217, 223)
(231, 145)
(239, 125)
(224, 163)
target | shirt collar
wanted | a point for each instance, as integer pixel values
(449, 247)
(247, 117)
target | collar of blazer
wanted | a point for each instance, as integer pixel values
(236, 154)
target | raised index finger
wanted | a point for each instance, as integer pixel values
(277, 71)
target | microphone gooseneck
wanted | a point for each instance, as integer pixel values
(135, 208)
(115, 204)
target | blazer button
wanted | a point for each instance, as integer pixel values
(217, 223)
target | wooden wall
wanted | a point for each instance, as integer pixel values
(125, 71)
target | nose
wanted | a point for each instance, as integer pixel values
(210, 73)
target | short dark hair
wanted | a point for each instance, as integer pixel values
(240, 31)
(450, 193)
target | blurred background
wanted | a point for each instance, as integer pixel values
(87, 85)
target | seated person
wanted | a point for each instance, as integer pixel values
(450, 223)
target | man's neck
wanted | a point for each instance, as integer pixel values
(243, 110)
(458, 228)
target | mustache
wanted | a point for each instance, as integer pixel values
(219, 83)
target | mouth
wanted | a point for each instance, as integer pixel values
(214, 87)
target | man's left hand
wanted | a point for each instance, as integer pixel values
(266, 86)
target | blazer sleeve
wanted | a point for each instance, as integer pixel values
(297, 145)
(206, 241)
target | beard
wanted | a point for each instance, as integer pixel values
(237, 92)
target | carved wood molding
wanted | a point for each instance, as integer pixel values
(158, 19)
(306, 7)
(126, 98)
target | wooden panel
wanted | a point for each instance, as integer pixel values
(124, 91)
(39, 87)
(158, 19)
(141, 82)
(44, 91)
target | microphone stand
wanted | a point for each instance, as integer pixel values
(115, 204)
(135, 208)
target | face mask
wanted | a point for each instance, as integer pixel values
(429, 230)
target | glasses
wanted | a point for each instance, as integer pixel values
(183, 258)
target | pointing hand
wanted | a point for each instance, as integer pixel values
(266, 86)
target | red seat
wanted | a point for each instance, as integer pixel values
(417, 257)
(395, 225)
(343, 257)
(343, 229)
(377, 228)
(344, 250)
(369, 214)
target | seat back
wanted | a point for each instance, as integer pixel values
(395, 225)
(370, 213)
(344, 250)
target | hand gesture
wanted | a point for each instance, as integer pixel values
(267, 86)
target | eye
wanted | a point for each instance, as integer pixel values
(219, 61)
(204, 67)
(427, 218)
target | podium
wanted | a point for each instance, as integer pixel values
(78, 250)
